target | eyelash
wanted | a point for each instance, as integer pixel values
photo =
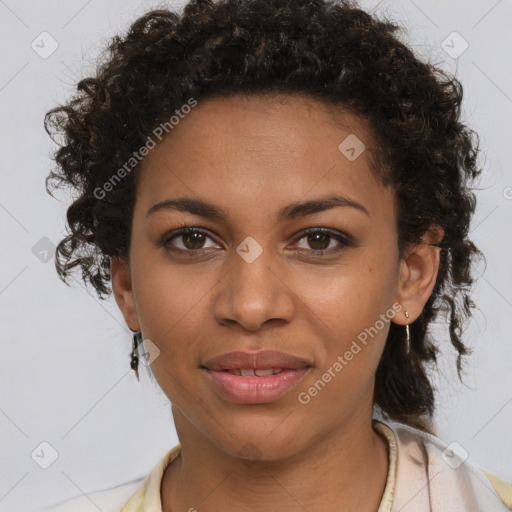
(343, 240)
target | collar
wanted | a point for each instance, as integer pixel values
(148, 496)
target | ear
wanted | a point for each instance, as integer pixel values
(123, 293)
(418, 274)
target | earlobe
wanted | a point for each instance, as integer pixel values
(418, 274)
(123, 292)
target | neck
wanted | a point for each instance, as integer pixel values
(349, 465)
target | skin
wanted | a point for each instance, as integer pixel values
(251, 156)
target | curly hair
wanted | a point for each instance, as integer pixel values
(328, 50)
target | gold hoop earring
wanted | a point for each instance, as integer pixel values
(408, 338)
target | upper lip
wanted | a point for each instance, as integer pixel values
(257, 360)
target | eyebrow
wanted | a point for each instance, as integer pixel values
(292, 211)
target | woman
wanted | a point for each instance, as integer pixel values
(277, 194)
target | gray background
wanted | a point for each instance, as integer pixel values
(65, 375)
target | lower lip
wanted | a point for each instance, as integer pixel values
(255, 390)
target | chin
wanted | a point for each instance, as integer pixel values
(269, 442)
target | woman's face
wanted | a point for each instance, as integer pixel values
(250, 279)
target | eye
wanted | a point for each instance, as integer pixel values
(320, 240)
(193, 240)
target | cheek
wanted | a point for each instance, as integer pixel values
(351, 296)
(352, 323)
(351, 310)
(170, 303)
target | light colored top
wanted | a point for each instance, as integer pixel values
(424, 475)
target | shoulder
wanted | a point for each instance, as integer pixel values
(445, 472)
(503, 488)
(140, 494)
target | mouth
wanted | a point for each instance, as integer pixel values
(252, 388)
(262, 363)
(255, 377)
(252, 372)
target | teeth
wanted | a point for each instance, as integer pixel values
(251, 372)
(262, 373)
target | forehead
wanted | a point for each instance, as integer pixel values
(262, 148)
(271, 119)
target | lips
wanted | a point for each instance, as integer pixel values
(263, 360)
(255, 377)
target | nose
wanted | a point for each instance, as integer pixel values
(254, 294)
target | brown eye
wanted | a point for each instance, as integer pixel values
(192, 239)
(319, 240)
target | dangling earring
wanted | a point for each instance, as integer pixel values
(408, 339)
(134, 363)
